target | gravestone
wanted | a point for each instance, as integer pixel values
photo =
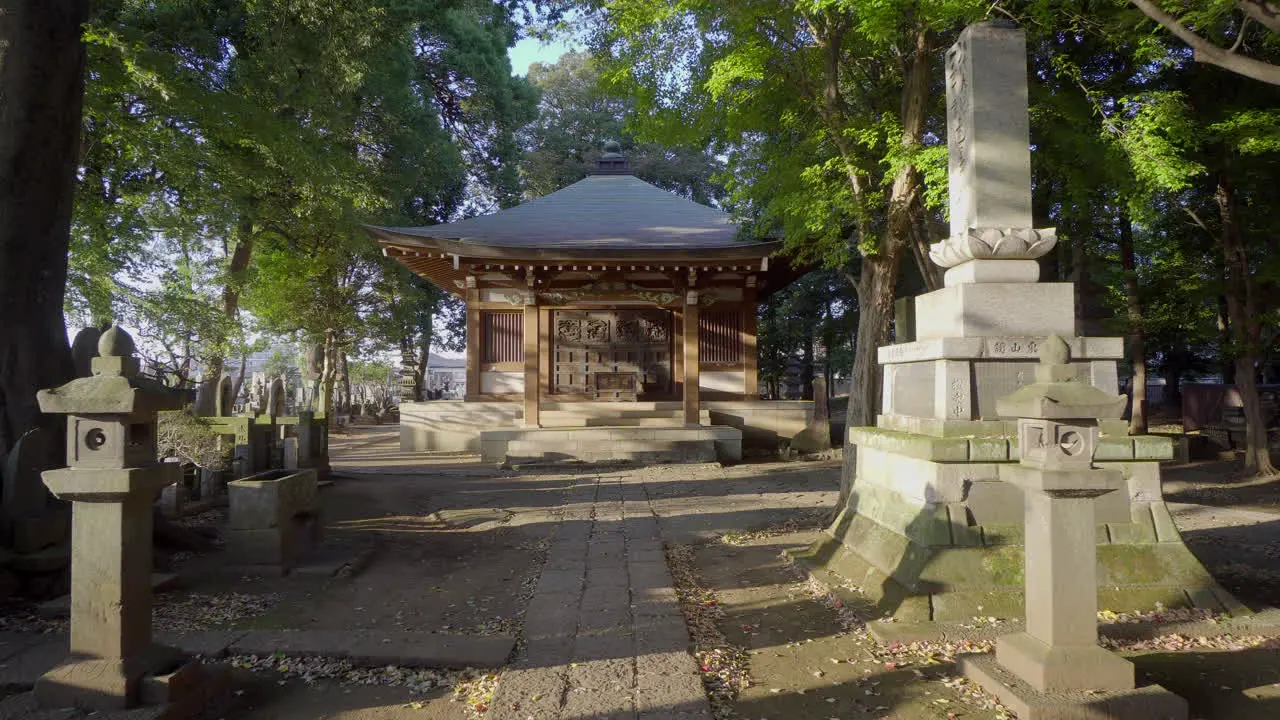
(930, 531)
(275, 399)
(24, 494)
(1058, 653)
(207, 398)
(33, 523)
(83, 349)
(225, 397)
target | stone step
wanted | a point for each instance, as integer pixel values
(613, 407)
(649, 451)
(642, 420)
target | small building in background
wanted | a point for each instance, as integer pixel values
(610, 303)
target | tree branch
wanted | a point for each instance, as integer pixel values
(1262, 12)
(1208, 53)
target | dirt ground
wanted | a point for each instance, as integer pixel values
(454, 546)
(788, 651)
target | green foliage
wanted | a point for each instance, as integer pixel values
(578, 114)
(192, 440)
(269, 132)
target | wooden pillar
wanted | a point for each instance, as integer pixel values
(692, 406)
(473, 340)
(532, 384)
(750, 358)
(544, 351)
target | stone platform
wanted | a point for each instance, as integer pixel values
(931, 533)
(684, 444)
(1150, 702)
(455, 425)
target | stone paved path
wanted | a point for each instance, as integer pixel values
(604, 636)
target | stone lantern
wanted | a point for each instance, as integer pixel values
(1058, 654)
(112, 480)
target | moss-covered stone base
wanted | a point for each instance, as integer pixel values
(941, 541)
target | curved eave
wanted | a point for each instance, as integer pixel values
(445, 261)
(479, 249)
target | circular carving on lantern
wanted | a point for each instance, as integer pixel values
(1071, 442)
(95, 439)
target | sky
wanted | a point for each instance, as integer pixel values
(531, 50)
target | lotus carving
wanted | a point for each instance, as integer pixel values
(993, 244)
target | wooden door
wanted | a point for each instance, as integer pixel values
(611, 341)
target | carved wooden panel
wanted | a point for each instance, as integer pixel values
(590, 342)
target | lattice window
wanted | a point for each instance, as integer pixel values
(501, 337)
(720, 337)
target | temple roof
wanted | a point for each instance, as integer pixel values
(607, 215)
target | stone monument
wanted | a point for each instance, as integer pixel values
(930, 532)
(112, 480)
(1059, 652)
(408, 377)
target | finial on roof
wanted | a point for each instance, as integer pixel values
(115, 342)
(612, 161)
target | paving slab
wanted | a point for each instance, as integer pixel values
(431, 650)
(20, 671)
(615, 646)
(211, 644)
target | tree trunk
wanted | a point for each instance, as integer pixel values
(239, 385)
(1173, 366)
(328, 374)
(1227, 366)
(879, 278)
(344, 376)
(1246, 331)
(806, 366)
(1137, 338)
(42, 65)
(237, 268)
(422, 375)
(875, 313)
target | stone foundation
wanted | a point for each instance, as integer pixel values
(691, 444)
(455, 425)
(930, 533)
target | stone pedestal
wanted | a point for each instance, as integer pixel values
(1059, 652)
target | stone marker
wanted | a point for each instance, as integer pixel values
(83, 350)
(23, 492)
(225, 398)
(206, 400)
(1059, 651)
(408, 377)
(275, 399)
(289, 453)
(112, 481)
